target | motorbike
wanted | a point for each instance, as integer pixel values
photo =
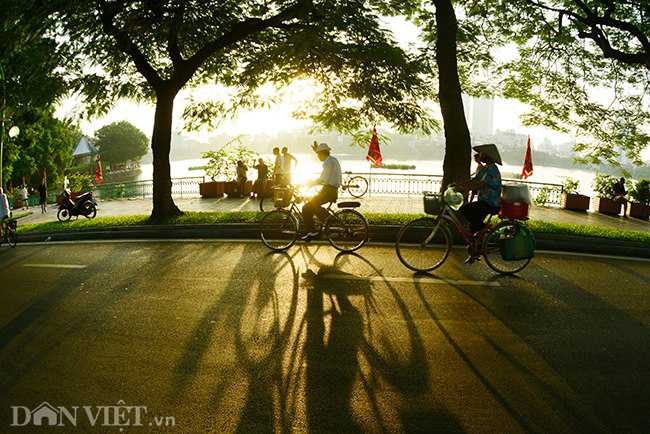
(84, 205)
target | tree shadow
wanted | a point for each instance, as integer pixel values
(596, 349)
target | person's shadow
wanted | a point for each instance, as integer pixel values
(332, 363)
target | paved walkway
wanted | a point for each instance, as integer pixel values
(376, 204)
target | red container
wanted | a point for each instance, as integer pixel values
(516, 210)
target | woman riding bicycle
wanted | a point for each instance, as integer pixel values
(488, 183)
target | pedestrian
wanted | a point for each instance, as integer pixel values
(242, 172)
(278, 167)
(42, 191)
(24, 195)
(259, 188)
(488, 183)
(330, 179)
(289, 161)
(619, 193)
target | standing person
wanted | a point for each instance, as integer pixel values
(241, 177)
(619, 194)
(42, 191)
(488, 183)
(259, 188)
(24, 195)
(288, 165)
(278, 167)
(330, 179)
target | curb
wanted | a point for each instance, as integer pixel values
(566, 243)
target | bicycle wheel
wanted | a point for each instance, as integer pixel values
(279, 230)
(423, 245)
(266, 201)
(358, 186)
(493, 246)
(12, 237)
(347, 230)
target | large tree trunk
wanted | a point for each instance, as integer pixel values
(458, 152)
(163, 204)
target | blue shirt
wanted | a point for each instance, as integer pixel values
(491, 193)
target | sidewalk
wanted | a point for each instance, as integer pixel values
(375, 204)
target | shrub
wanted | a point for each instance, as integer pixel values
(543, 196)
(603, 184)
(641, 191)
(223, 162)
(77, 181)
(570, 185)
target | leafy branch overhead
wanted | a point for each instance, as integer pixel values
(582, 66)
(143, 48)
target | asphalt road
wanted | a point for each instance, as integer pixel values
(225, 336)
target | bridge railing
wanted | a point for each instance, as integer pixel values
(414, 184)
(380, 184)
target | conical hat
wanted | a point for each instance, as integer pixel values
(490, 150)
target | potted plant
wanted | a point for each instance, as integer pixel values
(214, 168)
(241, 152)
(603, 203)
(571, 199)
(641, 194)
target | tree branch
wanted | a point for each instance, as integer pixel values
(238, 33)
(172, 46)
(594, 23)
(126, 45)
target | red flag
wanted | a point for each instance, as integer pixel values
(374, 153)
(528, 162)
(45, 175)
(11, 185)
(99, 177)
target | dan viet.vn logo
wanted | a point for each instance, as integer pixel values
(119, 415)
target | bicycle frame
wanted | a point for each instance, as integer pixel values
(447, 215)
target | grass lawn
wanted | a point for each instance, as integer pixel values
(194, 218)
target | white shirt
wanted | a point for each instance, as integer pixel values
(331, 172)
(23, 193)
(4, 206)
(279, 164)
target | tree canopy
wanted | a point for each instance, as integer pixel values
(581, 65)
(44, 144)
(149, 50)
(120, 142)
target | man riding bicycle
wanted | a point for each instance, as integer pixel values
(330, 179)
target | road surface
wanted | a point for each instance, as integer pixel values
(220, 336)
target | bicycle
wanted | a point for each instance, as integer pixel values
(356, 185)
(424, 244)
(8, 235)
(346, 229)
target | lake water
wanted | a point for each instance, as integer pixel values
(309, 168)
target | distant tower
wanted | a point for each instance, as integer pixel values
(482, 116)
